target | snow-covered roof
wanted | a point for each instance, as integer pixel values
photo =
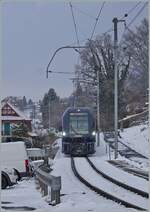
(21, 115)
(32, 134)
(134, 115)
(8, 118)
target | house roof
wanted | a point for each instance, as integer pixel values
(21, 115)
(32, 134)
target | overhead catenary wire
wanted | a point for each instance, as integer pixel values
(100, 11)
(75, 26)
(111, 28)
(83, 12)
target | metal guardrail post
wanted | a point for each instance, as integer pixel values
(121, 126)
(46, 180)
(55, 196)
(55, 190)
(109, 152)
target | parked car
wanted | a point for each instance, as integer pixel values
(35, 153)
(9, 177)
(35, 164)
(28, 143)
(14, 155)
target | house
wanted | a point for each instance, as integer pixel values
(10, 115)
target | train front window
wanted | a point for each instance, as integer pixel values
(78, 123)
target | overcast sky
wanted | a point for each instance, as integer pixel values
(33, 30)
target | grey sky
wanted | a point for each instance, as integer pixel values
(33, 30)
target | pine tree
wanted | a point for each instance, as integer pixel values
(24, 102)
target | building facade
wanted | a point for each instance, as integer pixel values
(10, 116)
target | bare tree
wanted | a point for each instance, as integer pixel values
(136, 44)
(98, 56)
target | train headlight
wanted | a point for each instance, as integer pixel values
(93, 133)
(64, 133)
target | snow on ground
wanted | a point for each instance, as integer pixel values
(123, 176)
(23, 194)
(92, 177)
(76, 196)
(137, 138)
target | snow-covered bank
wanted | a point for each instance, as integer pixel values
(137, 138)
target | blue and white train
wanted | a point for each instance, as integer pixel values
(78, 127)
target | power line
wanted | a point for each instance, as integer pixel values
(75, 26)
(133, 8)
(97, 20)
(84, 13)
(129, 12)
(110, 29)
(61, 72)
(138, 14)
(134, 18)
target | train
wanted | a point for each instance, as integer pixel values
(78, 131)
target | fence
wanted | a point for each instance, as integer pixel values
(49, 184)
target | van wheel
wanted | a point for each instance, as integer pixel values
(18, 174)
(4, 182)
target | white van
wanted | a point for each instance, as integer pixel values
(14, 155)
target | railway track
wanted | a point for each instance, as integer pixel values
(126, 167)
(123, 185)
(123, 149)
(102, 192)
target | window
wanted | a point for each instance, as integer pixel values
(78, 123)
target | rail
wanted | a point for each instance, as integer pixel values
(117, 182)
(46, 181)
(127, 151)
(102, 192)
(129, 169)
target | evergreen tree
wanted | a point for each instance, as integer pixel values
(20, 130)
(30, 102)
(50, 109)
(24, 101)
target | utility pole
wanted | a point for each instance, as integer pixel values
(34, 113)
(115, 21)
(98, 97)
(98, 108)
(49, 118)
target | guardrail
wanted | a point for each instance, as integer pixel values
(49, 184)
